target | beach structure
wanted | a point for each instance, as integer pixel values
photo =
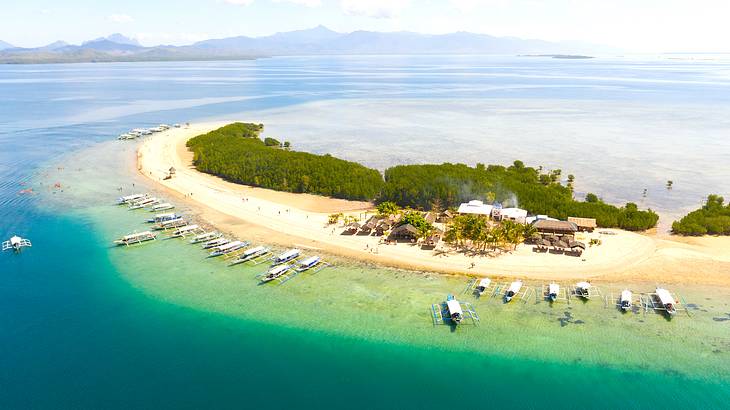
(445, 216)
(509, 214)
(557, 228)
(164, 217)
(186, 230)
(251, 254)
(512, 291)
(205, 237)
(369, 226)
(625, 300)
(584, 224)
(226, 249)
(136, 238)
(214, 243)
(162, 207)
(403, 232)
(128, 199)
(453, 312)
(352, 228)
(476, 207)
(16, 244)
(666, 300)
(553, 292)
(285, 257)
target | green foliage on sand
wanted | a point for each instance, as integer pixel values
(236, 153)
(713, 219)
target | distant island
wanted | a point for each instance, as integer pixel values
(315, 41)
(560, 56)
(236, 153)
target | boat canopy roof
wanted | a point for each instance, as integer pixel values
(310, 260)
(229, 245)
(664, 296)
(515, 286)
(137, 235)
(626, 294)
(553, 287)
(454, 307)
(279, 269)
(254, 250)
(485, 282)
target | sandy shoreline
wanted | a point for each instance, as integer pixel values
(286, 219)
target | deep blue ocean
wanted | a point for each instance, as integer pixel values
(76, 333)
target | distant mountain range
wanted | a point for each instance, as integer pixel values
(316, 41)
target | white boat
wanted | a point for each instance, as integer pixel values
(126, 136)
(583, 290)
(553, 291)
(286, 256)
(162, 207)
(250, 254)
(482, 286)
(164, 217)
(309, 263)
(164, 126)
(185, 230)
(135, 238)
(16, 243)
(143, 203)
(205, 237)
(227, 248)
(667, 301)
(126, 200)
(513, 290)
(176, 125)
(215, 243)
(276, 272)
(172, 223)
(456, 314)
(625, 300)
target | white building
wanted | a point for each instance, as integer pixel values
(476, 207)
(510, 214)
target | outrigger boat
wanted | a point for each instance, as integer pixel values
(214, 243)
(126, 200)
(454, 307)
(162, 207)
(143, 203)
(583, 290)
(309, 263)
(136, 238)
(513, 290)
(164, 217)
(185, 230)
(625, 300)
(250, 254)
(553, 291)
(276, 272)
(482, 286)
(286, 257)
(126, 136)
(227, 248)
(16, 243)
(667, 301)
(205, 237)
(170, 224)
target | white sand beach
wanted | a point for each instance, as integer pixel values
(300, 220)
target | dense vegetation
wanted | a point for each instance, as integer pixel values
(713, 218)
(476, 233)
(448, 185)
(236, 153)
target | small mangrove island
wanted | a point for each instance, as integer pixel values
(712, 219)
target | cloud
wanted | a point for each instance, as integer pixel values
(307, 3)
(374, 8)
(120, 18)
(239, 2)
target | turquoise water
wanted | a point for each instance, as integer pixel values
(86, 325)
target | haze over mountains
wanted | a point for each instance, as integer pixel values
(316, 41)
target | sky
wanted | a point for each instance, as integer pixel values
(631, 25)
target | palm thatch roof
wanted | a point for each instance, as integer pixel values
(544, 225)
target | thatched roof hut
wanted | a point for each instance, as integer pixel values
(557, 227)
(406, 231)
(584, 224)
(430, 217)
